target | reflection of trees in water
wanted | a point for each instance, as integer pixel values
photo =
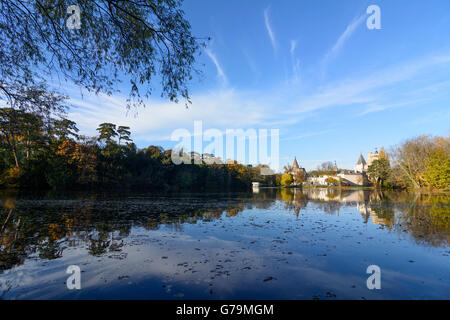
(382, 214)
(44, 228)
(427, 219)
(294, 199)
(49, 249)
(264, 199)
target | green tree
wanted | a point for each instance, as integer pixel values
(10, 127)
(21, 133)
(437, 172)
(107, 131)
(124, 134)
(286, 179)
(64, 129)
(379, 170)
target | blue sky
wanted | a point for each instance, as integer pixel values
(312, 69)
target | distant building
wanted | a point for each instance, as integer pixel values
(358, 177)
(295, 164)
(361, 165)
(346, 179)
(371, 157)
(297, 171)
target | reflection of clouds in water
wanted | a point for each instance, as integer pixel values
(394, 278)
(229, 247)
(144, 259)
(34, 275)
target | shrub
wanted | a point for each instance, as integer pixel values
(286, 179)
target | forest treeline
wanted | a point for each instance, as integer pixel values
(47, 152)
(41, 148)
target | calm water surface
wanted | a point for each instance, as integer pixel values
(269, 244)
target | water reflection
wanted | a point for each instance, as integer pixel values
(425, 217)
(53, 227)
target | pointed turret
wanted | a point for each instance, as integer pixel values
(360, 166)
(295, 164)
(361, 160)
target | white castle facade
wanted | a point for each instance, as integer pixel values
(361, 165)
(357, 177)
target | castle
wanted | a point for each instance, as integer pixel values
(362, 166)
(298, 173)
(358, 177)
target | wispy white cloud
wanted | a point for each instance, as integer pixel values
(269, 29)
(221, 109)
(343, 39)
(369, 90)
(219, 68)
(305, 135)
(277, 108)
(377, 106)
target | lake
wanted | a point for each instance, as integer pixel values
(265, 244)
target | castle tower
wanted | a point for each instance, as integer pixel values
(371, 157)
(298, 173)
(361, 165)
(295, 165)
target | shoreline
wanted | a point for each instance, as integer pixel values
(418, 191)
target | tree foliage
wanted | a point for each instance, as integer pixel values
(107, 131)
(137, 41)
(416, 161)
(299, 176)
(437, 172)
(286, 179)
(55, 156)
(379, 170)
(326, 166)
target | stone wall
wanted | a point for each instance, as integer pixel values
(354, 179)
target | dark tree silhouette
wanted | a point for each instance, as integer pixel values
(137, 41)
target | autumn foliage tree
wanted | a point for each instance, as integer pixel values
(286, 179)
(437, 171)
(421, 162)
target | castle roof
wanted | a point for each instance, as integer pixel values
(361, 160)
(295, 164)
